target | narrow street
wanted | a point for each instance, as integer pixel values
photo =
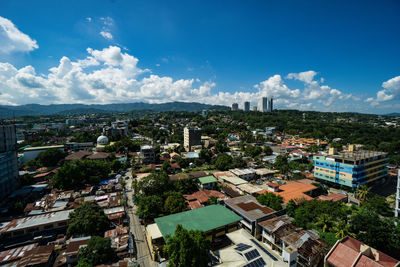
(143, 258)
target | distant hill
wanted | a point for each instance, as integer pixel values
(393, 114)
(65, 109)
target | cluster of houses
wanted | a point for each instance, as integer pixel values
(38, 238)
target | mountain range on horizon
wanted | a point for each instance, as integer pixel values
(8, 111)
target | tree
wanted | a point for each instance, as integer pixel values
(187, 186)
(26, 179)
(50, 157)
(97, 251)
(267, 150)
(206, 155)
(174, 202)
(341, 229)
(116, 165)
(362, 192)
(77, 173)
(324, 221)
(166, 167)
(252, 151)
(212, 200)
(281, 163)
(150, 207)
(271, 200)
(87, 219)
(291, 208)
(223, 162)
(156, 184)
(187, 248)
(379, 204)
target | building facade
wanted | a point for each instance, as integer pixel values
(270, 104)
(191, 137)
(147, 154)
(235, 106)
(8, 160)
(264, 104)
(246, 106)
(352, 168)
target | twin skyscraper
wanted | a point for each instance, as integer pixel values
(266, 105)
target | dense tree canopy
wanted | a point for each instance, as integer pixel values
(87, 219)
(187, 248)
(98, 251)
(50, 157)
(271, 200)
(77, 173)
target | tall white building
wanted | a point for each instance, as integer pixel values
(264, 104)
(270, 104)
(235, 106)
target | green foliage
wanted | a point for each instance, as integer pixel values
(77, 173)
(306, 214)
(174, 202)
(98, 251)
(267, 150)
(116, 165)
(206, 155)
(221, 147)
(291, 208)
(26, 179)
(223, 162)
(156, 184)
(378, 204)
(363, 192)
(87, 219)
(212, 200)
(166, 167)
(271, 200)
(187, 248)
(18, 207)
(281, 164)
(122, 146)
(50, 157)
(150, 207)
(187, 186)
(252, 151)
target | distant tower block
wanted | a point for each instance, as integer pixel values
(264, 104)
(235, 106)
(397, 205)
(254, 108)
(270, 104)
(246, 106)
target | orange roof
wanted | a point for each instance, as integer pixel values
(293, 190)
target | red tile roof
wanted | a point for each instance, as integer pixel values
(351, 252)
(293, 190)
(334, 197)
(197, 199)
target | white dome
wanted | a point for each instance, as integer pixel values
(102, 140)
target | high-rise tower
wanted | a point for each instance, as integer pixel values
(246, 106)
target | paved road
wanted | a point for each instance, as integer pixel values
(143, 253)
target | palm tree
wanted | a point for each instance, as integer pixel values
(362, 192)
(325, 221)
(341, 228)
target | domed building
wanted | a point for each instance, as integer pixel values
(102, 141)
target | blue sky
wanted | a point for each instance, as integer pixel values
(311, 55)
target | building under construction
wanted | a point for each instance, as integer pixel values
(351, 168)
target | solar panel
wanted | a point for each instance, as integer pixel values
(242, 247)
(264, 250)
(252, 254)
(257, 263)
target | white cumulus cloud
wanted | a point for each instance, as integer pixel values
(106, 35)
(13, 40)
(391, 91)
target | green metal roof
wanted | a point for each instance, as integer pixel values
(204, 219)
(207, 179)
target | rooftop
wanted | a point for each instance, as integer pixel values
(233, 180)
(207, 179)
(204, 219)
(15, 253)
(42, 147)
(34, 221)
(351, 252)
(292, 190)
(248, 207)
(153, 231)
(357, 155)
